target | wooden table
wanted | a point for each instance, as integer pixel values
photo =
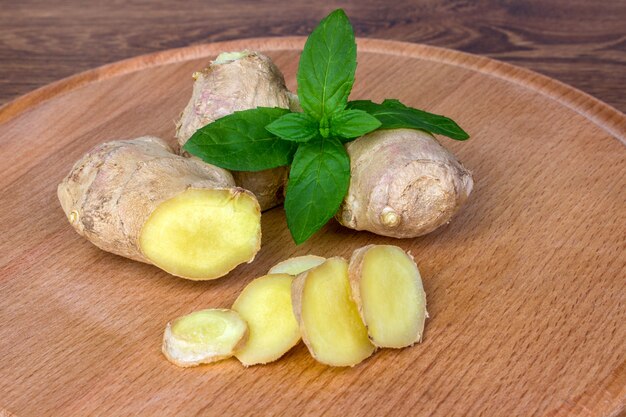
(579, 42)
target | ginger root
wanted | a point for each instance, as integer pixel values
(138, 199)
(387, 288)
(239, 81)
(265, 304)
(403, 184)
(297, 265)
(329, 320)
(203, 336)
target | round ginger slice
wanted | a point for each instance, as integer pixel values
(297, 265)
(202, 233)
(265, 304)
(387, 288)
(329, 320)
(203, 336)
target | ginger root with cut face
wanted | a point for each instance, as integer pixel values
(403, 184)
(239, 81)
(138, 199)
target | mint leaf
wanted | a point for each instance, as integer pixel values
(327, 66)
(394, 115)
(240, 141)
(318, 182)
(350, 124)
(297, 127)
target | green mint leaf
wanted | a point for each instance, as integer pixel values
(240, 141)
(327, 66)
(297, 127)
(395, 115)
(350, 124)
(318, 182)
(394, 102)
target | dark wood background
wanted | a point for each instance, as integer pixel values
(579, 42)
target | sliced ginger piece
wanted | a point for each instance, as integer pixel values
(297, 265)
(329, 320)
(203, 336)
(202, 233)
(387, 288)
(265, 304)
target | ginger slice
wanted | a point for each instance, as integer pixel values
(387, 288)
(330, 324)
(297, 265)
(265, 304)
(202, 233)
(203, 336)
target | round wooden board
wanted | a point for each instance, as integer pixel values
(526, 286)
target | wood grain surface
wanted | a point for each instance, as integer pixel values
(580, 42)
(525, 286)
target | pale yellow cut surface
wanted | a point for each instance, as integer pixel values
(334, 331)
(392, 297)
(265, 304)
(226, 57)
(202, 234)
(203, 336)
(297, 265)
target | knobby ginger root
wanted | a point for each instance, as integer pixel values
(265, 304)
(203, 336)
(403, 184)
(239, 81)
(138, 199)
(268, 185)
(387, 288)
(330, 324)
(297, 265)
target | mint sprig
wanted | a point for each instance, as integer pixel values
(312, 141)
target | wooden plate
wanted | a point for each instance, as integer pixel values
(526, 286)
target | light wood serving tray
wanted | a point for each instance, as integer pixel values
(526, 286)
